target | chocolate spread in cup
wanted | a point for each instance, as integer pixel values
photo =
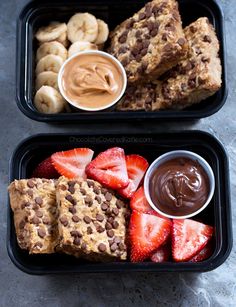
(179, 186)
(92, 81)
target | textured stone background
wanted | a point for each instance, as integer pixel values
(217, 288)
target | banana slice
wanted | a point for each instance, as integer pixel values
(103, 32)
(46, 78)
(50, 62)
(81, 46)
(82, 27)
(63, 39)
(48, 100)
(54, 47)
(50, 32)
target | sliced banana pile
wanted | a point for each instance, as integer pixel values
(57, 42)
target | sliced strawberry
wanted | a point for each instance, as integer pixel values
(162, 254)
(45, 169)
(136, 168)
(189, 238)
(205, 253)
(72, 163)
(147, 232)
(139, 202)
(109, 168)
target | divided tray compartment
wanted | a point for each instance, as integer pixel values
(40, 13)
(34, 149)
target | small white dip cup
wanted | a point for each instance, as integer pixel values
(101, 53)
(179, 154)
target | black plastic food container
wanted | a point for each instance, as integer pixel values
(31, 151)
(39, 13)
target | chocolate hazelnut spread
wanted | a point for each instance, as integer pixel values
(179, 186)
(92, 81)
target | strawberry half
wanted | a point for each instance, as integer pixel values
(147, 232)
(139, 202)
(72, 163)
(45, 169)
(205, 253)
(109, 168)
(136, 168)
(162, 254)
(189, 238)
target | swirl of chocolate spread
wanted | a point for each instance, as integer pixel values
(179, 186)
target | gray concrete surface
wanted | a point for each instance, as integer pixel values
(216, 288)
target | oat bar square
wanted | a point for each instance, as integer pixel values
(92, 220)
(151, 42)
(33, 202)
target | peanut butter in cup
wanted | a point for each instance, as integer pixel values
(92, 80)
(179, 186)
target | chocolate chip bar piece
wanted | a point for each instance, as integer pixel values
(33, 202)
(92, 220)
(191, 81)
(151, 42)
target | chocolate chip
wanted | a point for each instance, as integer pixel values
(108, 226)
(102, 247)
(99, 217)
(130, 23)
(88, 200)
(76, 233)
(207, 39)
(77, 241)
(98, 199)
(41, 233)
(138, 57)
(22, 224)
(115, 211)
(38, 244)
(191, 83)
(24, 205)
(142, 16)
(71, 189)
(96, 190)
(117, 240)
(114, 247)
(205, 59)
(144, 52)
(154, 32)
(110, 233)
(187, 67)
(39, 200)
(104, 206)
(35, 220)
(39, 213)
(75, 218)
(87, 219)
(110, 219)
(83, 191)
(30, 183)
(63, 187)
(100, 229)
(122, 49)
(123, 37)
(89, 230)
(167, 47)
(115, 224)
(135, 50)
(72, 210)
(46, 220)
(183, 87)
(121, 246)
(63, 220)
(164, 36)
(83, 246)
(70, 198)
(90, 183)
(71, 183)
(138, 33)
(108, 212)
(181, 41)
(108, 196)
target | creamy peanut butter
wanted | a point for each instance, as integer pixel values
(92, 81)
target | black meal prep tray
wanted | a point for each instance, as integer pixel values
(39, 13)
(34, 149)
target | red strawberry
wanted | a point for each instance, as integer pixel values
(136, 168)
(162, 254)
(147, 232)
(139, 202)
(189, 238)
(109, 168)
(72, 163)
(45, 169)
(205, 253)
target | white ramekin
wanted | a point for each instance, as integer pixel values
(177, 154)
(101, 53)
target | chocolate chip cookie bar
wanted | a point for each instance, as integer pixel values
(92, 220)
(151, 42)
(191, 81)
(33, 202)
